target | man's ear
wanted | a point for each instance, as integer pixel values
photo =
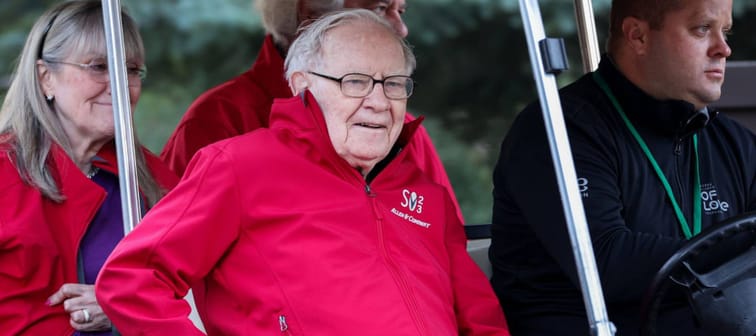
(298, 83)
(635, 31)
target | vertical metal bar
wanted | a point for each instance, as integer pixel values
(565, 171)
(124, 131)
(586, 25)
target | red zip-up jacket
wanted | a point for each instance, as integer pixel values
(243, 104)
(39, 239)
(281, 236)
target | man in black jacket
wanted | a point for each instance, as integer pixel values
(665, 63)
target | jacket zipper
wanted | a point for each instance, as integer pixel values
(404, 288)
(678, 146)
(679, 175)
(283, 325)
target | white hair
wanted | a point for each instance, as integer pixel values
(280, 17)
(307, 50)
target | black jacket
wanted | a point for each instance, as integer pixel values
(632, 224)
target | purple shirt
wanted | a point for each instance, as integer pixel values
(103, 233)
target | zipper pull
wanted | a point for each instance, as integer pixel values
(369, 191)
(282, 323)
(678, 147)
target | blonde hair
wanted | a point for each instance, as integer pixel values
(280, 17)
(28, 122)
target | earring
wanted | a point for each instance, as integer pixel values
(49, 97)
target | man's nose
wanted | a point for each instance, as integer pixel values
(395, 19)
(377, 99)
(720, 46)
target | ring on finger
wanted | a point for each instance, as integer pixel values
(87, 316)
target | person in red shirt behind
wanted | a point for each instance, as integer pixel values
(320, 224)
(243, 103)
(60, 206)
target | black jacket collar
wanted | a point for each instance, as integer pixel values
(669, 117)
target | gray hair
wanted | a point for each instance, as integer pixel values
(280, 17)
(306, 53)
(28, 122)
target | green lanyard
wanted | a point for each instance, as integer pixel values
(662, 178)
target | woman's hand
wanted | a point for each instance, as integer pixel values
(80, 303)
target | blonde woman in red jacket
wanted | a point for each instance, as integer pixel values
(60, 212)
(319, 225)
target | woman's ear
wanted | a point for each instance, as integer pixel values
(298, 83)
(44, 76)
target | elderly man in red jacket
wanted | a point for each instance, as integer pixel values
(243, 103)
(320, 224)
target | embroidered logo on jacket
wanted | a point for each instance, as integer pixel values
(711, 203)
(414, 204)
(583, 186)
(412, 201)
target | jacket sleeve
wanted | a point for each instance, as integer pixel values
(475, 304)
(204, 123)
(29, 270)
(143, 282)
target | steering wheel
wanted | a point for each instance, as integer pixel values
(722, 298)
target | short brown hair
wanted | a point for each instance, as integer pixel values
(651, 11)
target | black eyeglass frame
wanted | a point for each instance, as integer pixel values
(410, 81)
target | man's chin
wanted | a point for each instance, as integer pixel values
(702, 99)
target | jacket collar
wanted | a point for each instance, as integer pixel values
(67, 174)
(73, 182)
(268, 73)
(302, 119)
(269, 65)
(669, 117)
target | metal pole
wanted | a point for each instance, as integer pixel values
(589, 48)
(124, 131)
(566, 177)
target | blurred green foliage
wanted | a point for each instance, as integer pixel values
(473, 67)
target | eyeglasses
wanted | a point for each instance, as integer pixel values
(98, 71)
(358, 85)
